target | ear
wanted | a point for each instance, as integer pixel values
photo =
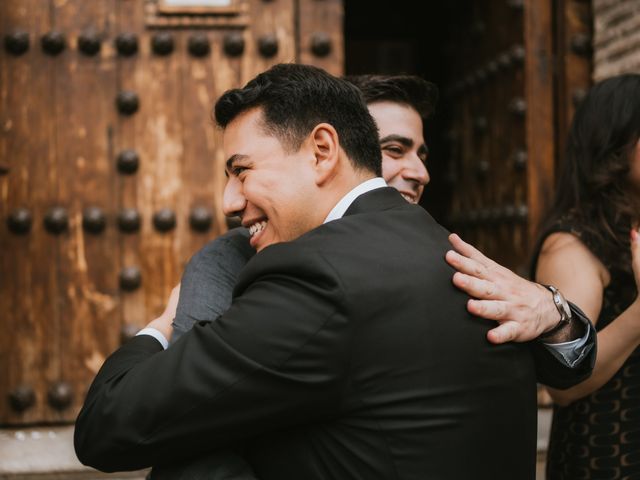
(326, 148)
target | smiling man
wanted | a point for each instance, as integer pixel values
(405, 151)
(277, 201)
(399, 104)
(346, 352)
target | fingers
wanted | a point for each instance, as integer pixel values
(467, 249)
(489, 309)
(465, 264)
(495, 310)
(499, 294)
(514, 325)
(478, 288)
(506, 332)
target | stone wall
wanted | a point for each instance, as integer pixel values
(616, 37)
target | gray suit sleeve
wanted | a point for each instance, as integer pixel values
(205, 294)
(208, 280)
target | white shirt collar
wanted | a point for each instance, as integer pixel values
(346, 201)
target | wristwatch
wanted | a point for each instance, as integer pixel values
(563, 308)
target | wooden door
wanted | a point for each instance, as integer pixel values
(488, 117)
(111, 170)
(520, 67)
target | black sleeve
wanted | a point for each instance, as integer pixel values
(225, 464)
(552, 372)
(276, 359)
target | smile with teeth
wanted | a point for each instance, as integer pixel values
(408, 198)
(257, 227)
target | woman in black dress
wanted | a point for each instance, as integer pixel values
(589, 250)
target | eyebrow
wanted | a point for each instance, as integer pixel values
(407, 142)
(232, 159)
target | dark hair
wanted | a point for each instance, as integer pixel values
(295, 98)
(410, 90)
(593, 188)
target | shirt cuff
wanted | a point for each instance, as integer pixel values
(570, 353)
(155, 334)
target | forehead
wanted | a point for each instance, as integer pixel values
(397, 119)
(246, 134)
(246, 137)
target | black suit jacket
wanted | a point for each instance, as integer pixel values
(346, 354)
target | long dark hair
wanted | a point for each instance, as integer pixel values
(593, 191)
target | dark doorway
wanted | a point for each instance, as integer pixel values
(394, 38)
(475, 52)
(510, 73)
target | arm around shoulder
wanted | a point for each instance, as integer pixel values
(276, 359)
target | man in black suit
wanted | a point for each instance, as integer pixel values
(347, 352)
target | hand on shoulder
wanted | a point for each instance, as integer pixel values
(523, 309)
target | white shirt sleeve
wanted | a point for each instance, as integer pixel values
(155, 334)
(571, 352)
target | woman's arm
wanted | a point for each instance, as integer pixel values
(567, 263)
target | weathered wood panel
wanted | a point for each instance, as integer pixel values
(130, 78)
(539, 94)
(616, 37)
(320, 40)
(154, 132)
(68, 142)
(573, 63)
(200, 141)
(488, 111)
(29, 354)
(84, 120)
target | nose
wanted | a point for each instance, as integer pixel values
(233, 199)
(416, 171)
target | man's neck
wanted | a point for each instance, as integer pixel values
(341, 206)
